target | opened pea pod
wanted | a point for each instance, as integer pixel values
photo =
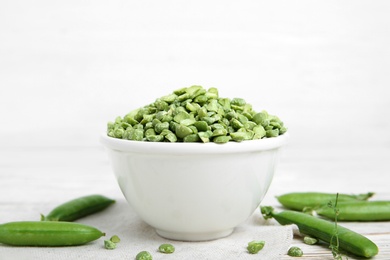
(78, 208)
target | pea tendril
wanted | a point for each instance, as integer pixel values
(335, 246)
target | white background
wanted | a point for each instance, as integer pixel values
(68, 67)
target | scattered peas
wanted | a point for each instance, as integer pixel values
(255, 246)
(195, 114)
(166, 248)
(108, 244)
(143, 255)
(310, 240)
(115, 239)
(78, 208)
(111, 244)
(295, 251)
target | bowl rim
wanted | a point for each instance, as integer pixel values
(180, 148)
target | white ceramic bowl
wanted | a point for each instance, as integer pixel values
(194, 191)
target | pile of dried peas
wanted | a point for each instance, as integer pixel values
(195, 114)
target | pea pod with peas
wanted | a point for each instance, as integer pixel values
(78, 208)
(302, 200)
(47, 233)
(324, 230)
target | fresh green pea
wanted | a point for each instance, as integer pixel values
(295, 251)
(166, 248)
(301, 200)
(324, 230)
(144, 255)
(255, 246)
(78, 208)
(47, 233)
(358, 211)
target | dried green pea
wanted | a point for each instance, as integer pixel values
(209, 120)
(238, 136)
(188, 122)
(250, 125)
(259, 132)
(212, 106)
(182, 131)
(166, 248)
(236, 124)
(149, 132)
(272, 133)
(255, 246)
(136, 134)
(159, 127)
(118, 133)
(144, 255)
(219, 132)
(155, 138)
(221, 139)
(310, 240)
(191, 107)
(191, 138)
(181, 116)
(115, 239)
(204, 137)
(201, 126)
(171, 137)
(108, 244)
(169, 98)
(295, 251)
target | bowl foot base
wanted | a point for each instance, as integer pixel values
(194, 236)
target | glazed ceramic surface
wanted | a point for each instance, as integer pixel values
(194, 191)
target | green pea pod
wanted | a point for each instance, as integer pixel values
(46, 233)
(321, 229)
(301, 200)
(78, 208)
(358, 211)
